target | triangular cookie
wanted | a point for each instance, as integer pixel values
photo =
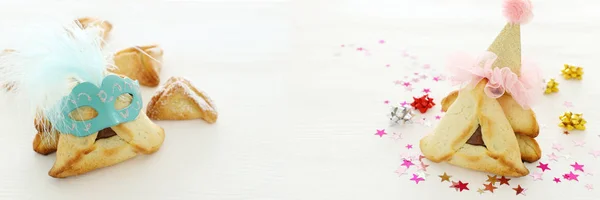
(178, 99)
(142, 63)
(473, 110)
(78, 155)
(522, 121)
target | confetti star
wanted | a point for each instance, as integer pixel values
(416, 80)
(445, 177)
(386, 102)
(436, 79)
(480, 191)
(404, 54)
(359, 49)
(589, 186)
(422, 167)
(492, 179)
(422, 174)
(426, 90)
(543, 166)
(380, 132)
(406, 84)
(381, 41)
(401, 171)
(567, 156)
(398, 82)
(387, 65)
(568, 104)
(409, 89)
(595, 153)
(416, 178)
(454, 185)
(423, 76)
(556, 179)
(519, 189)
(490, 187)
(553, 157)
(404, 103)
(579, 143)
(571, 176)
(426, 66)
(577, 167)
(557, 147)
(421, 158)
(462, 186)
(397, 136)
(503, 180)
(536, 176)
(407, 163)
(438, 117)
(409, 146)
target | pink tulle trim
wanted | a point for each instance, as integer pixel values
(524, 89)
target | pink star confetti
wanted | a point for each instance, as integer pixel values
(571, 176)
(536, 176)
(423, 76)
(543, 166)
(577, 167)
(387, 65)
(416, 178)
(409, 146)
(556, 179)
(422, 167)
(436, 79)
(404, 54)
(406, 84)
(413, 57)
(409, 89)
(568, 104)
(553, 157)
(426, 90)
(438, 117)
(359, 49)
(381, 41)
(416, 80)
(398, 82)
(421, 158)
(386, 102)
(595, 153)
(407, 163)
(426, 66)
(454, 185)
(557, 147)
(579, 143)
(404, 103)
(589, 186)
(342, 45)
(380, 132)
(401, 171)
(397, 136)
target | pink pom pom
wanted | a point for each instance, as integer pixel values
(518, 11)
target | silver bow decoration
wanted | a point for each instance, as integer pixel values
(401, 114)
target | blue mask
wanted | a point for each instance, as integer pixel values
(102, 100)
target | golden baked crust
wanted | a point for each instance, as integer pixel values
(178, 99)
(522, 121)
(470, 110)
(102, 24)
(142, 63)
(78, 155)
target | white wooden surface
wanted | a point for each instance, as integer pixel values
(298, 113)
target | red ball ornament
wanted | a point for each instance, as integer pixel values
(423, 103)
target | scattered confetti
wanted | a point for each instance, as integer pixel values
(387, 65)
(426, 90)
(492, 179)
(397, 136)
(568, 104)
(577, 167)
(423, 103)
(519, 190)
(415, 80)
(595, 153)
(438, 117)
(556, 179)
(404, 104)
(551, 87)
(572, 121)
(536, 176)
(436, 79)
(381, 41)
(454, 185)
(421, 158)
(359, 49)
(572, 72)
(409, 146)
(490, 187)
(552, 157)
(462, 186)
(579, 143)
(426, 66)
(445, 177)
(409, 88)
(386, 102)
(416, 178)
(543, 166)
(407, 163)
(401, 171)
(557, 147)
(566, 132)
(503, 180)
(380, 132)
(571, 176)
(422, 167)
(423, 76)
(480, 190)
(589, 186)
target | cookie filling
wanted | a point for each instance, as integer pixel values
(105, 133)
(476, 139)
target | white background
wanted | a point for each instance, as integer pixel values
(298, 113)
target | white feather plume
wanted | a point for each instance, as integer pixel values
(48, 61)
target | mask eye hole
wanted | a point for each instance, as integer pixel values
(123, 101)
(83, 113)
